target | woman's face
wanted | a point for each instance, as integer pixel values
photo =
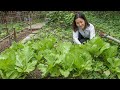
(80, 23)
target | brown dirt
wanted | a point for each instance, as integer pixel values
(6, 43)
(36, 74)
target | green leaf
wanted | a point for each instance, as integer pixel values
(107, 73)
(50, 58)
(118, 75)
(19, 69)
(8, 60)
(3, 57)
(117, 62)
(54, 71)
(36, 45)
(9, 73)
(2, 74)
(106, 46)
(88, 65)
(110, 60)
(117, 69)
(77, 73)
(68, 61)
(28, 53)
(59, 59)
(39, 56)
(110, 52)
(30, 66)
(63, 47)
(65, 73)
(97, 65)
(43, 69)
(6, 64)
(15, 75)
(18, 61)
(79, 62)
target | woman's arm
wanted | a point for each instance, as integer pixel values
(92, 32)
(75, 37)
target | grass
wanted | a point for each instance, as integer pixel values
(107, 22)
(60, 33)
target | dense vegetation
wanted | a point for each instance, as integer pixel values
(56, 56)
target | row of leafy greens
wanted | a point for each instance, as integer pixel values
(94, 59)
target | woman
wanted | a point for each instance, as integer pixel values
(82, 30)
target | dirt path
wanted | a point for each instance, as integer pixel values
(20, 36)
(36, 26)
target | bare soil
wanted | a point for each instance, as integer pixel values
(6, 43)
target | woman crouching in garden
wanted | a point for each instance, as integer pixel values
(82, 29)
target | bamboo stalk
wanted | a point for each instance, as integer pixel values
(30, 21)
(4, 38)
(15, 37)
(112, 38)
(102, 34)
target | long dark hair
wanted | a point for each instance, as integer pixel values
(79, 15)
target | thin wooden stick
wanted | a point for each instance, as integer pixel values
(102, 34)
